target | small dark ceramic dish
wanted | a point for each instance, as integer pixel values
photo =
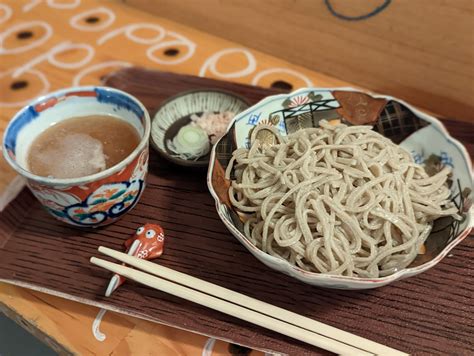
(176, 112)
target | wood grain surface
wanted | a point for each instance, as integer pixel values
(66, 327)
(424, 315)
(421, 51)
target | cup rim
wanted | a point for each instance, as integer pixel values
(89, 178)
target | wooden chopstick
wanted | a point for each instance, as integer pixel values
(252, 303)
(299, 321)
(230, 309)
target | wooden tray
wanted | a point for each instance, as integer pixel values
(427, 314)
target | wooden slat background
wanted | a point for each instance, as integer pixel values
(424, 315)
(421, 51)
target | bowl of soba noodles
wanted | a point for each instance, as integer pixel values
(342, 189)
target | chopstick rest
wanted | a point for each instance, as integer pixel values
(147, 243)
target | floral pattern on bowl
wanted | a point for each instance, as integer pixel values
(97, 203)
(421, 134)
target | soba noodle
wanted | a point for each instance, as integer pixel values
(336, 199)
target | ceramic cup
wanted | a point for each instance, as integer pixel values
(93, 200)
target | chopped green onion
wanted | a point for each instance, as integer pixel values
(190, 143)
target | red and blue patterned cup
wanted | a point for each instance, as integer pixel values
(93, 200)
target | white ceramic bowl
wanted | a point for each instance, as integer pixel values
(176, 112)
(94, 200)
(418, 132)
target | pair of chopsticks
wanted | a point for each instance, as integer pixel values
(241, 306)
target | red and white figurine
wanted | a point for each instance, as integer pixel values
(147, 244)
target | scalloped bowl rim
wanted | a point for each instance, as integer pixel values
(322, 279)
